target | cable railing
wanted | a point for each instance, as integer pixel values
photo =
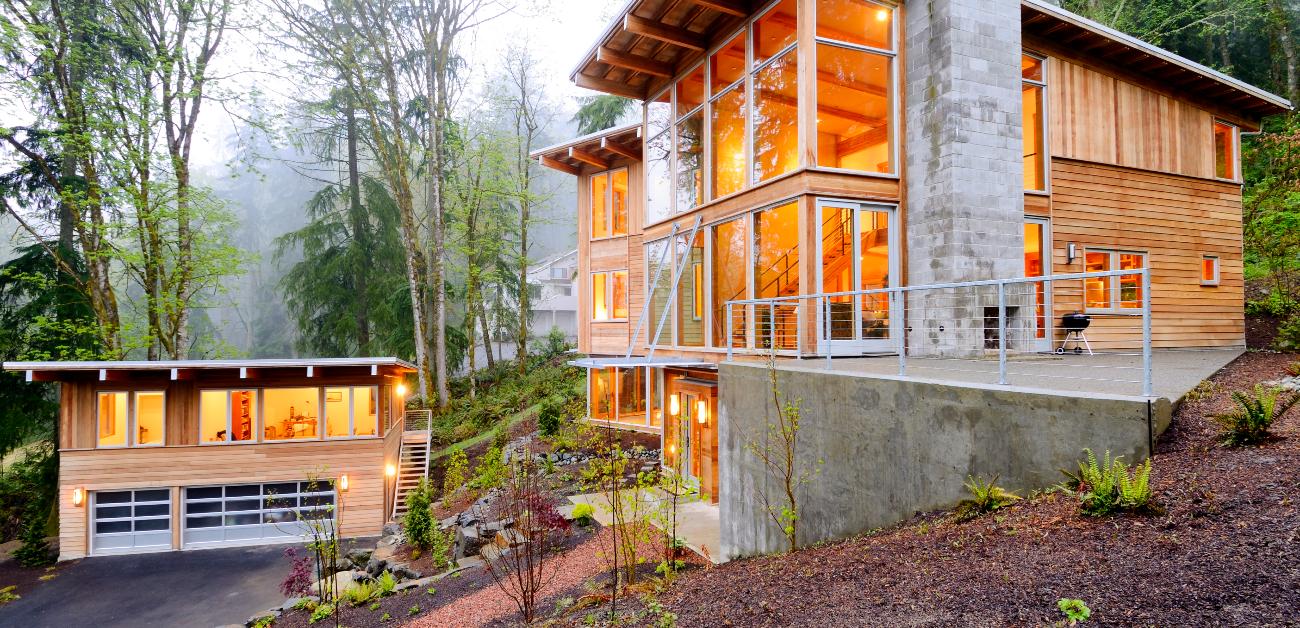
(1087, 330)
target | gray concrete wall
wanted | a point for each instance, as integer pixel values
(965, 164)
(891, 448)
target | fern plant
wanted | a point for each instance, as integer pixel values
(1111, 486)
(986, 497)
(1256, 412)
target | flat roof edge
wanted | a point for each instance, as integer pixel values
(145, 365)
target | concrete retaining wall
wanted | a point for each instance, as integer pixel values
(892, 447)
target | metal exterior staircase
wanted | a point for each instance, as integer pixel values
(414, 458)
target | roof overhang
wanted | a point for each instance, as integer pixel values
(601, 150)
(640, 361)
(183, 369)
(1048, 21)
(651, 41)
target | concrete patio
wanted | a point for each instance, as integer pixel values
(698, 523)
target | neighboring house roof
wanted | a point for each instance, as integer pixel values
(650, 41)
(553, 260)
(103, 367)
(599, 150)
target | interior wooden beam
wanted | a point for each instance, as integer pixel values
(619, 149)
(679, 37)
(730, 7)
(587, 158)
(633, 62)
(555, 164)
(608, 86)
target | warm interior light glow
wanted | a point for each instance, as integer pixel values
(702, 411)
(401, 390)
(672, 449)
(343, 482)
(882, 15)
(674, 404)
(390, 469)
(78, 496)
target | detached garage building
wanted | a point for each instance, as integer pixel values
(158, 456)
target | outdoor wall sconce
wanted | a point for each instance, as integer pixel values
(78, 496)
(401, 390)
(1071, 252)
(702, 410)
(344, 483)
(675, 404)
(390, 470)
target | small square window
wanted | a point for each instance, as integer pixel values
(1209, 270)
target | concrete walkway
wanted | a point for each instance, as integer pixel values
(1174, 371)
(698, 523)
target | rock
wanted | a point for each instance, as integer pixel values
(376, 566)
(449, 522)
(509, 538)
(290, 603)
(345, 579)
(492, 527)
(403, 586)
(273, 613)
(392, 528)
(359, 556)
(402, 571)
(343, 563)
(490, 553)
(468, 541)
(383, 552)
(469, 561)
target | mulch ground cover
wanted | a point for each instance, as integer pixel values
(1226, 551)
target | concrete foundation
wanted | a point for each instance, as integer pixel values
(892, 447)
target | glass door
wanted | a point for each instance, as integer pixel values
(1038, 263)
(856, 249)
(686, 425)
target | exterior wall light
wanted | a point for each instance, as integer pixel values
(390, 470)
(401, 390)
(702, 411)
(78, 497)
(1071, 252)
(675, 404)
(344, 483)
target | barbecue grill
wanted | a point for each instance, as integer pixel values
(1074, 325)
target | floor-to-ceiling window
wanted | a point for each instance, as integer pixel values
(776, 273)
(728, 272)
(728, 112)
(855, 67)
(690, 291)
(658, 158)
(776, 92)
(1034, 121)
(690, 140)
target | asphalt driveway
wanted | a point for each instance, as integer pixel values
(201, 588)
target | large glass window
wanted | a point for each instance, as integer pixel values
(149, 418)
(728, 141)
(1035, 121)
(618, 395)
(775, 30)
(631, 395)
(112, 419)
(1115, 293)
(659, 283)
(728, 263)
(351, 411)
(227, 416)
(776, 117)
(291, 413)
(727, 65)
(776, 269)
(658, 158)
(609, 295)
(690, 292)
(855, 58)
(609, 204)
(1225, 150)
(690, 161)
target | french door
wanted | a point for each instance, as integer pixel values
(1038, 263)
(857, 249)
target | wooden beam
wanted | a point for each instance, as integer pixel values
(679, 37)
(635, 63)
(730, 7)
(619, 149)
(608, 86)
(181, 375)
(555, 164)
(587, 158)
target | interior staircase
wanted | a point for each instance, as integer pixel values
(413, 462)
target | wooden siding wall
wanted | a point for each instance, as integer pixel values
(620, 253)
(1100, 118)
(161, 467)
(1174, 220)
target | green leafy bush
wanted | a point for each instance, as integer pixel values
(549, 417)
(986, 497)
(418, 521)
(360, 593)
(491, 470)
(1255, 413)
(1276, 304)
(1288, 334)
(321, 612)
(584, 514)
(454, 477)
(1111, 486)
(385, 584)
(1075, 610)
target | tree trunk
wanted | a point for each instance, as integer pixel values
(437, 97)
(360, 232)
(1282, 24)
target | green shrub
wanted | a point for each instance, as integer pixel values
(385, 584)
(1256, 412)
(548, 417)
(360, 593)
(1075, 610)
(1276, 304)
(491, 470)
(418, 521)
(1288, 334)
(454, 477)
(583, 514)
(986, 497)
(1112, 487)
(322, 612)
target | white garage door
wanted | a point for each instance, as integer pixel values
(131, 521)
(248, 514)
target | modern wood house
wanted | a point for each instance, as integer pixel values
(157, 456)
(815, 147)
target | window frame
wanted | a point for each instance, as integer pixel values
(1044, 123)
(126, 421)
(1113, 287)
(1218, 270)
(609, 204)
(258, 419)
(352, 414)
(591, 314)
(1234, 150)
(894, 87)
(134, 429)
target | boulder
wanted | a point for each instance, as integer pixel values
(468, 541)
(359, 556)
(509, 538)
(449, 522)
(290, 603)
(383, 552)
(273, 614)
(392, 528)
(469, 561)
(345, 580)
(376, 566)
(402, 571)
